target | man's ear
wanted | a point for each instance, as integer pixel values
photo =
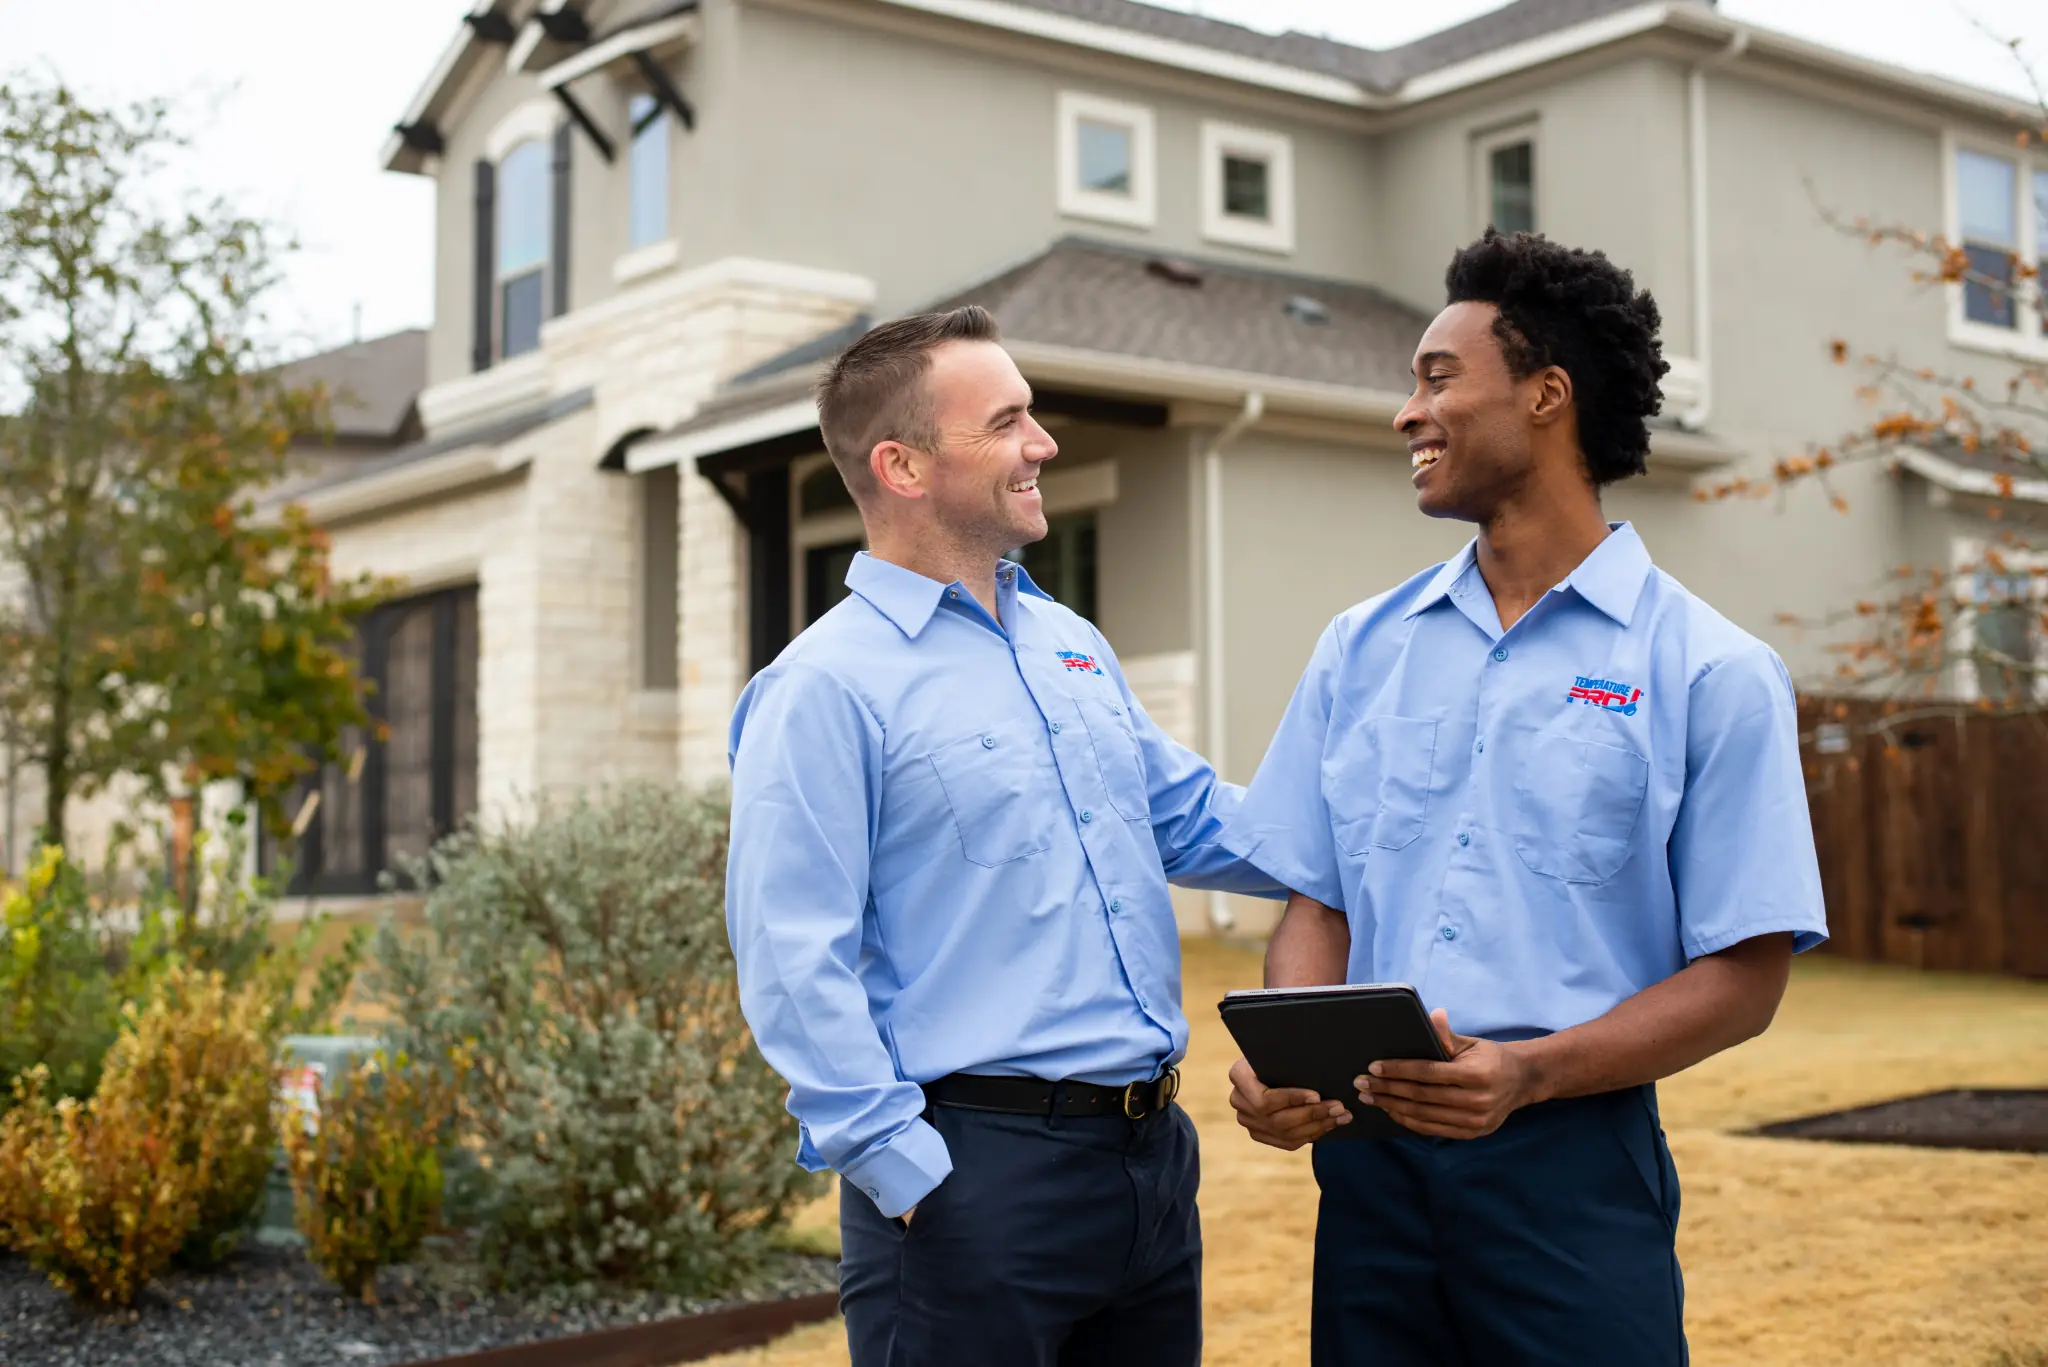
(1553, 395)
(898, 469)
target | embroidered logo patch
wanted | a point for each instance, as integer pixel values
(1606, 694)
(1085, 663)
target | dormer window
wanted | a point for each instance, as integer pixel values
(523, 213)
(1106, 160)
(1247, 187)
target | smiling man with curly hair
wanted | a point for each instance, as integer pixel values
(1561, 796)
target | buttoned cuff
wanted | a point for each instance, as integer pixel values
(899, 1174)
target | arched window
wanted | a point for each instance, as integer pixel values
(523, 247)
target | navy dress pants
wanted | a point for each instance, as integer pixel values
(1548, 1243)
(1056, 1242)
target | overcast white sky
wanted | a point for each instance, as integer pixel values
(297, 97)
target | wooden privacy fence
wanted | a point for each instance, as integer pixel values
(1933, 835)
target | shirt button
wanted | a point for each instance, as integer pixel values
(1055, 728)
(1464, 837)
(1482, 747)
(1115, 907)
(1450, 932)
(1500, 653)
(988, 742)
(875, 1192)
(1087, 817)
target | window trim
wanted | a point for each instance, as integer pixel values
(2028, 341)
(1139, 209)
(1487, 141)
(1220, 140)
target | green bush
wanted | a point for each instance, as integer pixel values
(69, 967)
(626, 1131)
(99, 1195)
(366, 1170)
(62, 982)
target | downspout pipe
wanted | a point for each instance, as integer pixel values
(1695, 418)
(1214, 721)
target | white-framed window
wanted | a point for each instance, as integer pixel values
(647, 162)
(1247, 186)
(1107, 160)
(2007, 590)
(525, 214)
(1504, 178)
(1996, 199)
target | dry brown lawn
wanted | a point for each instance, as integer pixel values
(1796, 1254)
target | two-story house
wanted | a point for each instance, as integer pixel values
(1211, 251)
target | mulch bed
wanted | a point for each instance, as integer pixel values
(268, 1307)
(2014, 1121)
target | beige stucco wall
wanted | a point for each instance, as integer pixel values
(1610, 174)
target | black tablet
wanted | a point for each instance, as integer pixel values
(1323, 1038)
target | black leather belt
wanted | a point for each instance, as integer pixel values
(1035, 1096)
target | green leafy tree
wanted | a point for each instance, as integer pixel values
(154, 621)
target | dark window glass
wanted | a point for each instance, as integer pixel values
(385, 802)
(524, 308)
(1987, 291)
(1064, 563)
(825, 570)
(658, 603)
(1511, 177)
(1247, 188)
(822, 491)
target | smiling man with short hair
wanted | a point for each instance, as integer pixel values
(953, 827)
(1562, 797)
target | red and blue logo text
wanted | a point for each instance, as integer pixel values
(1084, 663)
(1606, 694)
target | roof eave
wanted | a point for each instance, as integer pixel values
(432, 105)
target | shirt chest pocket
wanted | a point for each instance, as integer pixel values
(1118, 756)
(1376, 778)
(1576, 806)
(999, 784)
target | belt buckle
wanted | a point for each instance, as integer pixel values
(1132, 1100)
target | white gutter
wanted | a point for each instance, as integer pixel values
(1963, 479)
(1096, 370)
(1695, 418)
(1215, 724)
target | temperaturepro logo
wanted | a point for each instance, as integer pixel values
(1084, 663)
(1610, 695)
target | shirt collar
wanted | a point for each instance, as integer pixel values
(1611, 578)
(1454, 569)
(909, 599)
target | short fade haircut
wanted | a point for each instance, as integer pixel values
(1559, 306)
(875, 391)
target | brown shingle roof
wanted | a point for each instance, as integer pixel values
(371, 386)
(1381, 70)
(1092, 296)
(1096, 297)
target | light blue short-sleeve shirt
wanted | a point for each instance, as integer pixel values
(1533, 825)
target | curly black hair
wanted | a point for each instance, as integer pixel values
(1582, 313)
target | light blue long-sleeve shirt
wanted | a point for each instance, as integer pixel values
(1531, 825)
(951, 841)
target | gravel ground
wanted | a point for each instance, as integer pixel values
(268, 1307)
